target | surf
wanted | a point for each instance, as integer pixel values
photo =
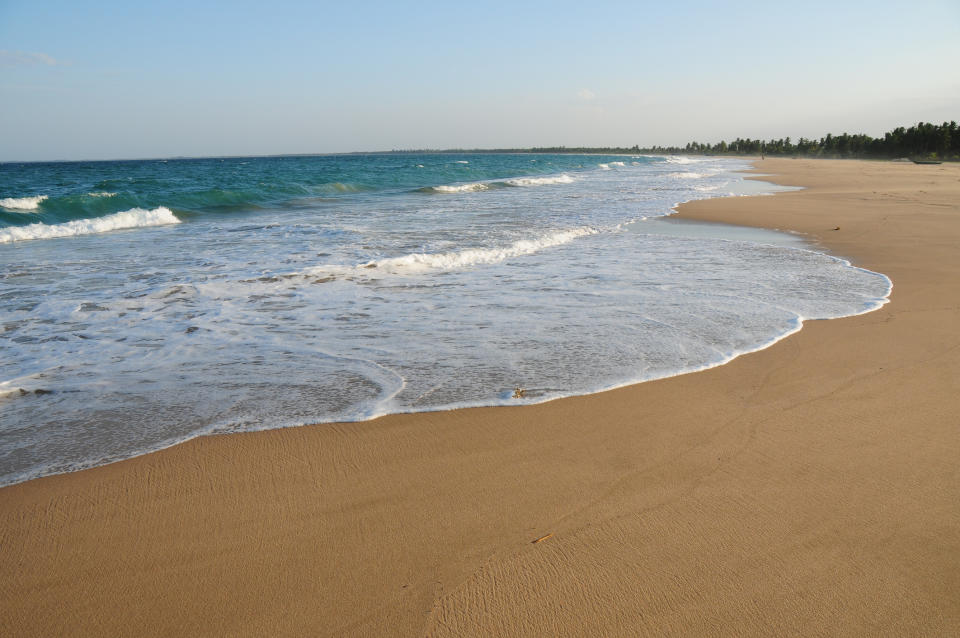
(133, 218)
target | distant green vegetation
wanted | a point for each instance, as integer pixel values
(922, 141)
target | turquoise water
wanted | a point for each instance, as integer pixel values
(214, 186)
(144, 303)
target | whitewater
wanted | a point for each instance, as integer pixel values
(145, 303)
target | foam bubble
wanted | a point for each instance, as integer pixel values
(101, 194)
(22, 203)
(133, 218)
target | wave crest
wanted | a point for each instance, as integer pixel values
(22, 203)
(606, 166)
(133, 218)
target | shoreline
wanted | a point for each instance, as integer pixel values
(727, 499)
(672, 217)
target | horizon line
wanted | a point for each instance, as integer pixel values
(530, 150)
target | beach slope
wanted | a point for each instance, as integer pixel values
(812, 488)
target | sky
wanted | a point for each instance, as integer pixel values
(90, 79)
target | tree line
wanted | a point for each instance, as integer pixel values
(921, 141)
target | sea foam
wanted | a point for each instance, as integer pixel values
(690, 175)
(418, 262)
(541, 181)
(460, 188)
(606, 165)
(474, 187)
(22, 203)
(133, 218)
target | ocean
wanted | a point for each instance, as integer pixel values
(143, 303)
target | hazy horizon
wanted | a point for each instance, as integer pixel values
(111, 81)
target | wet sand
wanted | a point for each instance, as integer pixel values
(809, 489)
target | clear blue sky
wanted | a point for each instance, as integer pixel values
(101, 79)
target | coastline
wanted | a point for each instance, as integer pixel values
(807, 488)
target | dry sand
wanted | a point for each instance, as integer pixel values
(809, 489)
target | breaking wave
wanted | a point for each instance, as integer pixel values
(453, 260)
(473, 187)
(22, 203)
(541, 181)
(477, 256)
(134, 218)
(457, 188)
(606, 166)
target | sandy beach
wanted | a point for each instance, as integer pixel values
(810, 489)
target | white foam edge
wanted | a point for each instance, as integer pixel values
(796, 325)
(213, 429)
(382, 408)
